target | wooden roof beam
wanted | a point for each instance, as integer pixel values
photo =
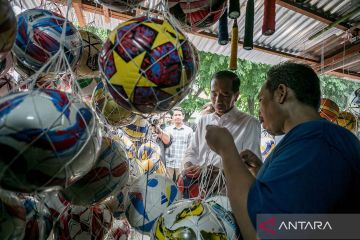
(299, 8)
(77, 5)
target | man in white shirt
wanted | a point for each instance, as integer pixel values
(225, 89)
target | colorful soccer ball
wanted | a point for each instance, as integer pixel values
(85, 87)
(39, 41)
(267, 144)
(197, 14)
(148, 198)
(111, 171)
(56, 203)
(152, 165)
(221, 208)
(120, 230)
(12, 216)
(148, 65)
(39, 221)
(47, 137)
(7, 28)
(137, 130)
(346, 120)
(120, 5)
(189, 184)
(108, 110)
(149, 150)
(354, 102)
(82, 223)
(88, 64)
(189, 219)
(329, 109)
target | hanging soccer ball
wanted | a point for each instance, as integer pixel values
(12, 216)
(85, 87)
(120, 5)
(220, 206)
(107, 109)
(189, 220)
(346, 120)
(7, 28)
(83, 223)
(47, 137)
(110, 171)
(39, 40)
(354, 102)
(148, 65)
(267, 144)
(149, 150)
(189, 184)
(39, 221)
(88, 64)
(148, 198)
(137, 130)
(329, 109)
(56, 203)
(152, 165)
(197, 14)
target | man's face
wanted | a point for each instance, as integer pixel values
(222, 96)
(177, 117)
(168, 119)
(270, 112)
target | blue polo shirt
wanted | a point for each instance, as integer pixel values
(314, 169)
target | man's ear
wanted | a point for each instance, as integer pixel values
(281, 93)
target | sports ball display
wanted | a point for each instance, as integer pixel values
(7, 84)
(39, 221)
(47, 137)
(85, 87)
(354, 102)
(221, 208)
(12, 216)
(189, 219)
(39, 41)
(346, 120)
(110, 171)
(267, 144)
(56, 203)
(120, 5)
(116, 202)
(7, 28)
(197, 14)
(148, 65)
(149, 150)
(6, 64)
(120, 230)
(83, 223)
(152, 165)
(329, 109)
(127, 144)
(88, 63)
(106, 107)
(137, 130)
(148, 198)
(189, 184)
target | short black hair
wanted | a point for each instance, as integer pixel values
(225, 74)
(177, 109)
(301, 78)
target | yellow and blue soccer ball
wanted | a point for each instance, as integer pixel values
(148, 64)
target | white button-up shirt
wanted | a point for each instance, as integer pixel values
(244, 128)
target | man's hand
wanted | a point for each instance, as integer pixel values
(218, 138)
(191, 169)
(252, 162)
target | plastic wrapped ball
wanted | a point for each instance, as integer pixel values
(120, 230)
(329, 109)
(85, 87)
(7, 28)
(39, 40)
(354, 102)
(88, 63)
(12, 216)
(148, 65)
(197, 14)
(56, 203)
(82, 223)
(48, 138)
(107, 109)
(120, 5)
(149, 150)
(267, 144)
(189, 184)
(137, 130)
(148, 198)
(346, 120)
(153, 166)
(111, 171)
(189, 219)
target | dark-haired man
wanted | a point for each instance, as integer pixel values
(245, 129)
(314, 169)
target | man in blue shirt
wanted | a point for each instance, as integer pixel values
(314, 169)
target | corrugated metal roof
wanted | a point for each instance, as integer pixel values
(291, 36)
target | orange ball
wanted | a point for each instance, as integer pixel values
(329, 109)
(346, 120)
